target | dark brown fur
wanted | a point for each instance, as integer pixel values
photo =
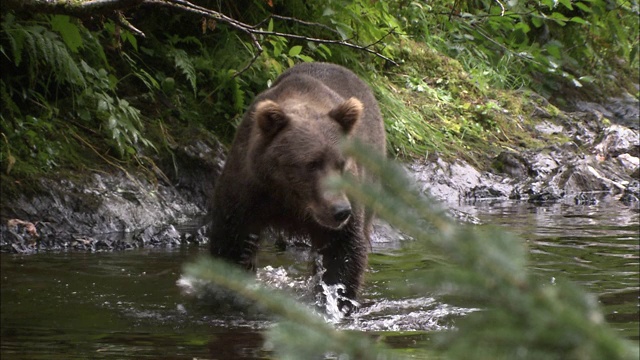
(286, 146)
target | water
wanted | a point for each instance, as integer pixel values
(127, 304)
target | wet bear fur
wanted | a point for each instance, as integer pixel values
(286, 146)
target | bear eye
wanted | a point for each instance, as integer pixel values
(315, 165)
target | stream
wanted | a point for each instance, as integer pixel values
(127, 304)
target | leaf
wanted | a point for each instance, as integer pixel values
(566, 3)
(305, 58)
(633, 54)
(587, 79)
(184, 63)
(522, 26)
(537, 21)
(579, 20)
(584, 7)
(328, 12)
(295, 51)
(130, 38)
(69, 31)
(554, 49)
(559, 18)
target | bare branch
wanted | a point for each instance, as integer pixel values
(114, 8)
(67, 7)
(253, 30)
(124, 22)
(392, 31)
(307, 23)
(255, 57)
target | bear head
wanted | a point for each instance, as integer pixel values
(295, 148)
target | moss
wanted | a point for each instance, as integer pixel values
(432, 106)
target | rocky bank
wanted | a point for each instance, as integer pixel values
(124, 210)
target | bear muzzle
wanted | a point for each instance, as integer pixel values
(332, 211)
(341, 212)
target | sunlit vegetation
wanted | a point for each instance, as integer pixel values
(89, 92)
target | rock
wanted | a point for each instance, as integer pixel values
(622, 110)
(119, 211)
(457, 182)
(630, 163)
(76, 214)
(547, 127)
(483, 192)
(631, 195)
(619, 140)
(511, 164)
(158, 235)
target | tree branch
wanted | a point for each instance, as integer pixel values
(114, 8)
(253, 30)
(70, 7)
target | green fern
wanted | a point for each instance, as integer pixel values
(184, 63)
(41, 47)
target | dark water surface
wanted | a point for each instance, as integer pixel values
(121, 305)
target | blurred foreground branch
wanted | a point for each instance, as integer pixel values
(521, 317)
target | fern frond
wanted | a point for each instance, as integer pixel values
(40, 45)
(184, 63)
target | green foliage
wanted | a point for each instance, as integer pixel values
(182, 60)
(112, 88)
(42, 48)
(58, 84)
(518, 316)
(571, 42)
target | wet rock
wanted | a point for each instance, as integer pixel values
(76, 214)
(457, 182)
(619, 140)
(385, 235)
(631, 195)
(588, 198)
(158, 235)
(483, 192)
(547, 127)
(583, 127)
(198, 238)
(544, 194)
(511, 164)
(622, 110)
(630, 163)
(18, 236)
(543, 163)
(194, 169)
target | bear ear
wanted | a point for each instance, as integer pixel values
(347, 114)
(270, 118)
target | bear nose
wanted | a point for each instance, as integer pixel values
(341, 212)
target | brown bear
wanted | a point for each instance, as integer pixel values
(286, 146)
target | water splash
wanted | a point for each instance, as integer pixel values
(410, 314)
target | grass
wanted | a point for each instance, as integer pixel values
(433, 107)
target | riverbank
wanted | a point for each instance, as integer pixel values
(122, 209)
